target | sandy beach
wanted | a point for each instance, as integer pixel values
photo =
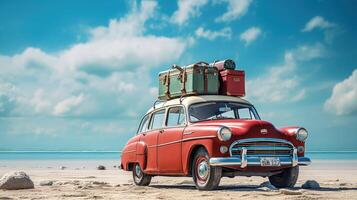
(338, 180)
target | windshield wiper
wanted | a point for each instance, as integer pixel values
(217, 118)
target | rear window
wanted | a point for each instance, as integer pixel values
(157, 119)
(144, 124)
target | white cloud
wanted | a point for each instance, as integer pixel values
(235, 10)
(101, 77)
(329, 29)
(211, 35)
(7, 98)
(122, 45)
(187, 9)
(40, 102)
(250, 35)
(282, 83)
(317, 22)
(343, 100)
(67, 105)
(132, 24)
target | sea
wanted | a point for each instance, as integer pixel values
(115, 155)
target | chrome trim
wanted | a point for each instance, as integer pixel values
(183, 140)
(167, 143)
(295, 160)
(304, 161)
(186, 139)
(258, 140)
(262, 148)
(188, 133)
(219, 133)
(244, 158)
(297, 135)
(197, 138)
(255, 161)
(263, 131)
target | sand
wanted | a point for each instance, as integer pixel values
(338, 180)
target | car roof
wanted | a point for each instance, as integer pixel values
(188, 100)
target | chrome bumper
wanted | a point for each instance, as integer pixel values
(245, 160)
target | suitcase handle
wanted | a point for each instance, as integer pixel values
(177, 67)
(201, 63)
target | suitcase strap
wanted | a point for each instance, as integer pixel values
(167, 84)
(205, 75)
(182, 77)
(205, 79)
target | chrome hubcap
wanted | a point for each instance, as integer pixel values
(203, 170)
(138, 170)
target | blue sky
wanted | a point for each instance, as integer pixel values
(78, 75)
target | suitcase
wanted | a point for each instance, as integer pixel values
(224, 64)
(195, 79)
(232, 83)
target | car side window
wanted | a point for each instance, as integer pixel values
(244, 113)
(157, 119)
(176, 116)
(144, 124)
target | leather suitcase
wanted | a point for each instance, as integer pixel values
(232, 83)
(195, 79)
(224, 65)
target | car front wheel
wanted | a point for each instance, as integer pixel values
(287, 178)
(140, 178)
(206, 177)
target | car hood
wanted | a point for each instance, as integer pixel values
(241, 127)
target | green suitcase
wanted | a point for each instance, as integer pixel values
(195, 79)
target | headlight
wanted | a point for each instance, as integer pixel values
(301, 134)
(224, 133)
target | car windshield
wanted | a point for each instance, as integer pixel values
(221, 110)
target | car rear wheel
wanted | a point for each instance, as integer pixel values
(206, 177)
(285, 179)
(140, 178)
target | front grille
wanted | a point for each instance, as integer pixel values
(260, 147)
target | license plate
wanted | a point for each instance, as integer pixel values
(269, 162)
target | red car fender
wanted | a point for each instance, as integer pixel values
(141, 154)
(189, 146)
(290, 132)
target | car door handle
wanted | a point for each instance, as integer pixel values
(161, 131)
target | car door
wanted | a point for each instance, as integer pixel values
(170, 141)
(150, 138)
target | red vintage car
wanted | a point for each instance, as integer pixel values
(211, 136)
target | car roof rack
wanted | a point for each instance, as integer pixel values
(158, 101)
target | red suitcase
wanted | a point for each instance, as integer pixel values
(232, 83)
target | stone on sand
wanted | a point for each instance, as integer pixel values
(99, 183)
(62, 167)
(46, 183)
(16, 181)
(311, 184)
(101, 167)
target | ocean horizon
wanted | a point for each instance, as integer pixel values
(115, 155)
